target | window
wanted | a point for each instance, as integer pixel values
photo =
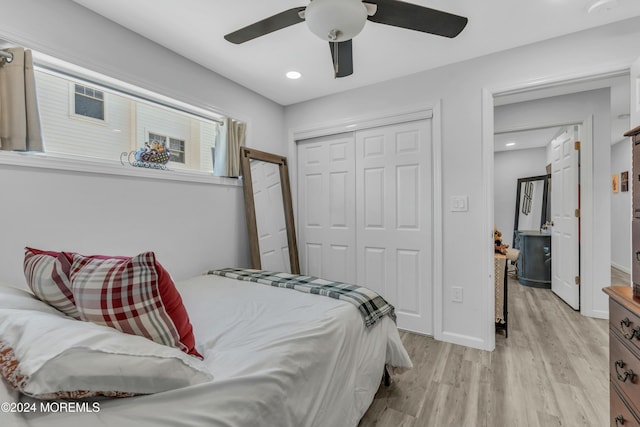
(175, 146)
(89, 102)
(121, 118)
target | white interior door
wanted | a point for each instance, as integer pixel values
(326, 207)
(272, 230)
(394, 219)
(565, 253)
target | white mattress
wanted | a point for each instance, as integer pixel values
(279, 358)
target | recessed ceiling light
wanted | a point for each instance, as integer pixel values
(293, 75)
(509, 144)
(598, 5)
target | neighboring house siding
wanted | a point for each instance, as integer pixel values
(208, 133)
(64, 132)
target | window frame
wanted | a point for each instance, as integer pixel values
(91, 165)
(73, 106)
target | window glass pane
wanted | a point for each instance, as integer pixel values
(127, 124)
(89, 107)
(177, 156)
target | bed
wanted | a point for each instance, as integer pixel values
(271, 356)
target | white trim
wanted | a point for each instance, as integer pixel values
(599, 314)
(359, 123)
(587, 285)
(104, 167)
(488, 292)
(622, 268)
(437, 248)
(605, 71)
(466, 340)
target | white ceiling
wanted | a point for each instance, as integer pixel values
(195, 29)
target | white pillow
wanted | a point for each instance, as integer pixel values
(47, 355)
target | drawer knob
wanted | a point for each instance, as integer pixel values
(628, 374)
(619, 420)
(625, 323)
(637, 255)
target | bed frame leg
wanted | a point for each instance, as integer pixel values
(386, 377)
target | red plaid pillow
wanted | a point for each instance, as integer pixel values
(47, 275)
(134, 295)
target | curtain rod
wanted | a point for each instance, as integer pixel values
(8, 56)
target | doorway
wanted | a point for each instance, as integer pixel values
(595, 250)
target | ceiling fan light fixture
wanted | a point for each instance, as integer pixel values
(601, 5)
(336, 20)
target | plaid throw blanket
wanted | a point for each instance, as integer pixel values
(371, 305)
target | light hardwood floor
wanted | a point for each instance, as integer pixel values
(551, 371)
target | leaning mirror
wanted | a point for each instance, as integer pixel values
(267, 197)
(532, 205)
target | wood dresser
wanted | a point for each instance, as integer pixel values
(624, 319)
(624, 356)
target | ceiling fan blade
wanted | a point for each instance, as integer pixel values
(342, 56)
(418, 18)
(266, 26)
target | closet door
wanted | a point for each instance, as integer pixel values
(394, 219)
(326, 207)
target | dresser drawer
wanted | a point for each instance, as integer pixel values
(621, 416)
(625, 323)
(624, 368)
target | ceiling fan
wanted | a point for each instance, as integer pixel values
(338, 21)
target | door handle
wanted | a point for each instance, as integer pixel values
(628, 374)
(626, 323)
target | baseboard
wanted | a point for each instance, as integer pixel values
(596, 314)
(465, 340)
(621, 268)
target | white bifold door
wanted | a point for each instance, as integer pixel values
(365, 214)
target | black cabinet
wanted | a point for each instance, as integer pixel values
(534, 262)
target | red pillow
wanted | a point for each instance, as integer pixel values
(47, 275)
(134, 295)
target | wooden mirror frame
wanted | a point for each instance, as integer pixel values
(246, 154)
(545, 202)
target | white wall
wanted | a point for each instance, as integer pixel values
(621, 208)
(460, 87)
(94, 213)
(509, 167)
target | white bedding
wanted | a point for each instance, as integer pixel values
(278, 357)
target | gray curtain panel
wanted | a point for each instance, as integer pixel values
(235, 139)
(20, 128)
(230, 138)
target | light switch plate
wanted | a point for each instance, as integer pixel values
(459, 203)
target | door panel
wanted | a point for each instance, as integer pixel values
(326, 207)
(565, 261)
(393, 196)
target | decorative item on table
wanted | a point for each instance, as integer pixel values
(499, 246)
(153, 154)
